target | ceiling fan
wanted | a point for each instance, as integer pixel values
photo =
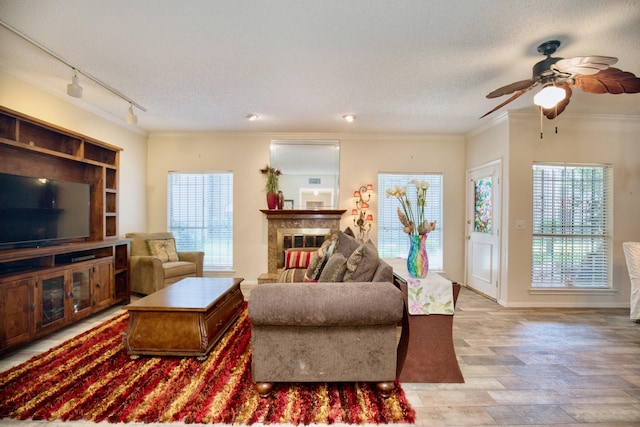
(592, 74)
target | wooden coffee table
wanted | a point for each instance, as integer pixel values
(184, 319)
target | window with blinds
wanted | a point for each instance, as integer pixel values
(200, 215)
(571, 242)
(393, 242)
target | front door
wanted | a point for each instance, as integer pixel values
(483, 228)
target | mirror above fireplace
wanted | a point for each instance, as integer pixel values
(310, 172)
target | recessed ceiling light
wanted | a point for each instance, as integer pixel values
(349, 117)
(252, 117)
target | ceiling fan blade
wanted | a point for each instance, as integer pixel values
(510, 88)
(585, 65)
(612, 80)
(515, 96)
(552, 113)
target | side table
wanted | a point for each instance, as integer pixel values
(425, 352)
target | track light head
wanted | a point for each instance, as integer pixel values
(132, 119)
(74, 89)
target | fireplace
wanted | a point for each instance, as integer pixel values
(289, 228)
(288, 238)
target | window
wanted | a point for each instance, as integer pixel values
(392, 241)
(571, 243)
(200, 215)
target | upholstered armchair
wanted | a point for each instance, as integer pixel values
(155, 263)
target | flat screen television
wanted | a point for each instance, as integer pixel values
(40, 211)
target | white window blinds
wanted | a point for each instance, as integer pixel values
(392, 241)
(571, 225)
(200, 215)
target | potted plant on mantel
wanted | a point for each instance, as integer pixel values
(271, 187)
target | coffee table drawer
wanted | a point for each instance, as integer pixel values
(223, 315)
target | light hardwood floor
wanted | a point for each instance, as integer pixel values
(522, 367)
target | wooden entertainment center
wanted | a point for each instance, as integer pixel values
(44, 288)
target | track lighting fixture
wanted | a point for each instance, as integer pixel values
(74, 89)
(132, 119)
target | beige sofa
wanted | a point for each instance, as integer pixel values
(328, 331)
(154, 265)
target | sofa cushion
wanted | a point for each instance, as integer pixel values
(178, 268)
(362, 264)
(334, 269)
(165, 249)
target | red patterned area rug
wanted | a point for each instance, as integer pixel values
(91, 377)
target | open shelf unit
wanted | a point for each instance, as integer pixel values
(45, 288)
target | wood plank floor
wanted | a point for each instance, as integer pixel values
(522, 367)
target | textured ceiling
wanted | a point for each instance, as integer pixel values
(399, 66)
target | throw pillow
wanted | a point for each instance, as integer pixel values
(349, 232)
(346, 244)
(318, 260)
(297, 258)
(165, 249)
(334, 269)
(362, 264)
(291, 275)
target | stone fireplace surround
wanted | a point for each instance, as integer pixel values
(295, 228)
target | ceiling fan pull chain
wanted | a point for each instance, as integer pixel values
(541, 124)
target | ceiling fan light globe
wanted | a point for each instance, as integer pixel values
(549, 96)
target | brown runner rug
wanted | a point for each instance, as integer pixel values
(91, 377)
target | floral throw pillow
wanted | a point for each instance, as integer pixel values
(318, 260)
(334, 269)
(165, 249)
(362, 264)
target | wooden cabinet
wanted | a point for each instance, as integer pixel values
(45, 288)
(103, 284)
(17, 311)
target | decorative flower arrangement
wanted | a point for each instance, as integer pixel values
(272, 178)
(407, 217)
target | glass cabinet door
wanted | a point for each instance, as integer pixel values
(81, 290)
(52, 298)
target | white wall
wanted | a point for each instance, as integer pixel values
(594, 139)
(27, 99)
(361, 158)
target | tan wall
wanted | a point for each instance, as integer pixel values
(20, 96)
(361, 158)
(515, 139)
(610, 140)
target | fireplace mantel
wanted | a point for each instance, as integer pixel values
(303, 213)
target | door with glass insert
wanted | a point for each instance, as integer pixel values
(483, 229)
(51, 298)
(80, 296)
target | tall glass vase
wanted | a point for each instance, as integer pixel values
(418, 261)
